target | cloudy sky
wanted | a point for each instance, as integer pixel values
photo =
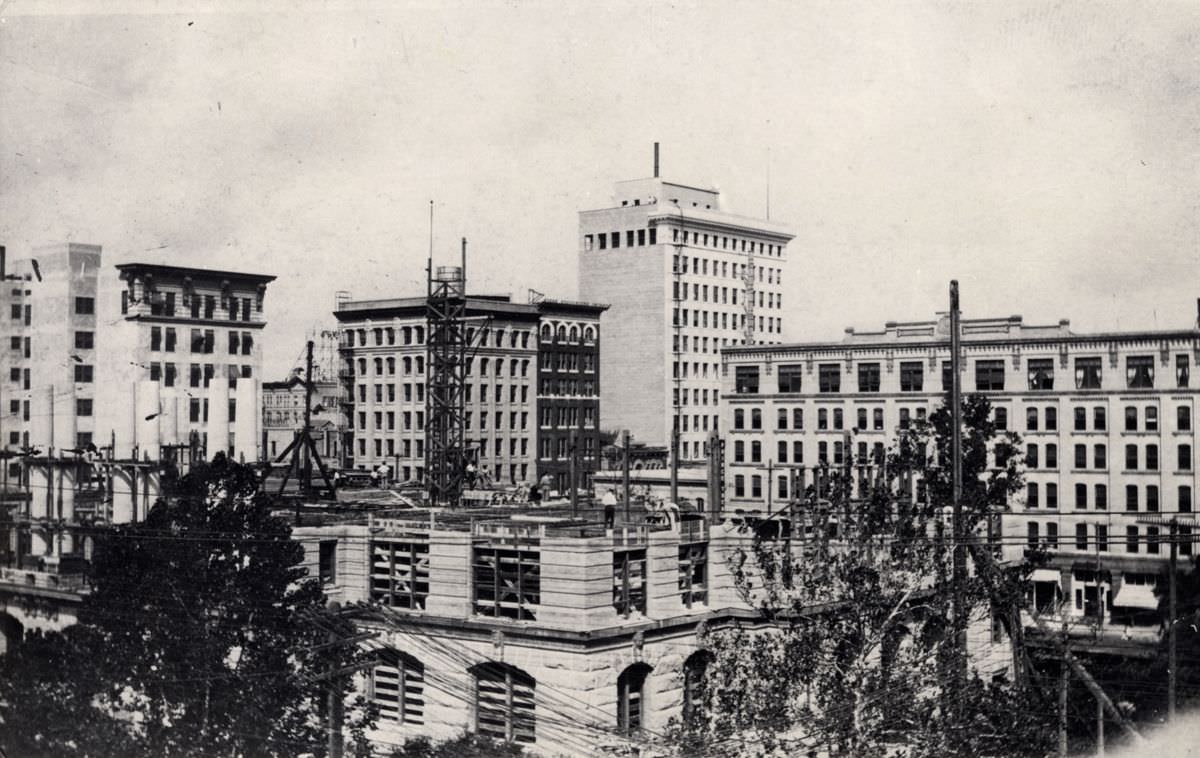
(1045, 154)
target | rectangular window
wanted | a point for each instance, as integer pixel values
(989, 375)
(1101, 491)
(1031, 419)
(1181, 371)
(1041, 373)
(85, 306)
(1152, 498)
(829, 377)
(790, 378)
(1031, 495)
(1185, 498)
(327, 561)
(83, 407)
(1081, 537)
(868, 377)
(1139, 371)
(912, 376)
(629, 581)
(1081, 456)
(400, 573)
(85, 340)
(1131, 419)
(1100, 418)
(1081, 496)
(506, 579)
(1131, 539)
(1001, 415)
(1087, 373)
(83, 373)
(1080, 419)
(1131, 457)
(693, 573)
(1131, 497)
(746, 378)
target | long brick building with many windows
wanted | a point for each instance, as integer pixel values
(1107, 424)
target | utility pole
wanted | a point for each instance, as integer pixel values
(574, 470)
(306, 475)
(1099, 727)
(1171, 616)
(625, 474)
(957, 532)
(1063, 680)
(675, 460)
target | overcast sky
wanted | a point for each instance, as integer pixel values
(1044, 154)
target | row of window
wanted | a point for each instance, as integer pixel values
(729, 321)
(989, 375)
(1097, 538)
(1136, 498)
(1033, 458)
(720, 295)
(202, 341)
(201, 306)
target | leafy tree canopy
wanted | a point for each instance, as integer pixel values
(201, 636)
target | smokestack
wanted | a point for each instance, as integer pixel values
(655, 160)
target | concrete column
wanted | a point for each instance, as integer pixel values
(245, 431)
(63, 473)
(124, 427)
(41, 438)
(148, 418)
(168, 427)
(122, 502)
(218, 416)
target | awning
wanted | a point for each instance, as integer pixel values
(1046, 575)
(1136, 596)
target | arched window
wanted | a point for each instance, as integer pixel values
(574, 335)
(512, 339)
(407, 365)
(391, 366)
(406, 335)
(589, 334)
(349, 338)
(695, 669)
(420, 335)
(504, 705)
(378, 336)
(560, 334)
(391, 335)
(362, 366)
(499, 338)
(545, 331)
(362, 337)
(398, 688)
(631, 701)
(420, 364)
(378, 367)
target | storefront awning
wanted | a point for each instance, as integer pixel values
(1136, 596)
(1046, 575)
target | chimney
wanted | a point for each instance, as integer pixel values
(655, 160)
(3, 272)
(1197, 301)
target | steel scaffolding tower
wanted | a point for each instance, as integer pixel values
(446, 351)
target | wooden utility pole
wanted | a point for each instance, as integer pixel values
(1063, 680)
(573, 460)
(334, 703)
(1171, 619)
(958, 576)
(625, 473)
(306, 480)
(1099, 727)
(675, 460)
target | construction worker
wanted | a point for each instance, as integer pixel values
(609, 501)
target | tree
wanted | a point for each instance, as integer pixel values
(465, 746)
(201, 636)
(856, 649)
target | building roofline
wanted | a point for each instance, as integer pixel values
(968, 339)
(355, 310)
(162, 268)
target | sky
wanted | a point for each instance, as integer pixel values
(1044, 154)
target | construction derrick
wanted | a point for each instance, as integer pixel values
(446, 359)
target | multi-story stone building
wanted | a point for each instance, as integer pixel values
(48, 337)
(189, 340)
(673, 265)
(536, 628)
(1107, 420)
(533, 379)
